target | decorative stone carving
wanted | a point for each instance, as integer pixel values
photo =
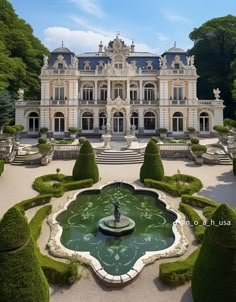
(45, 61)
(216, 93)
(163, 62)
(20, 94)
(75, 62)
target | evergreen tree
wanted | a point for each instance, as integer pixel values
(21, 277)
(6, 108)
(214, 272)
(85, 166)
(152, 166)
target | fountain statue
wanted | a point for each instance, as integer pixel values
(116, 211)
(116, 225)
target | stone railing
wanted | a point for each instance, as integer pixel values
(178, 72)
(73, 72)
(210, 102)
(27, 103)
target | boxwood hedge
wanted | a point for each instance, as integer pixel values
(176, 185)
(1, 167)
(198, 201)
(178, 272)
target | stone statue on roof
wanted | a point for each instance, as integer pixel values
(216, 93)
(45, 60)
(163, 61)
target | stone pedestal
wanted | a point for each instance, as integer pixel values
(107, 140)
(129, 139)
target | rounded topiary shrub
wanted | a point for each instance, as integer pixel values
(42, 140)
(82, 139)
(21, 277)
(197, 148)
(194, 140)
(44, 149)
(85, 166)
(152, 167)
(9, 130)
(214, 272)
(155, 139)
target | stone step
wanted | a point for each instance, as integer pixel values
(19, 160)
(119, 157)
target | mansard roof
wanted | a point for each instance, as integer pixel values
(61, 50)
(175, 50)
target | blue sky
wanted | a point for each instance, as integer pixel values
(153, 25)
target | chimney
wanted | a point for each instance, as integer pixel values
(132, 46)
(100, 47)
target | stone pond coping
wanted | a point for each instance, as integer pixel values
(56, 248)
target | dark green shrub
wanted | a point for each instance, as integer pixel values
(162, 130)
(178, 272)
(18, 128)
(199, 149)
(152, 166)
(227, 122)
(195, 220)
(194, 140)
(82, 140)
(42, 140)
(21, 278)
(234, 166)
(44, 149)
(14, 230)
(155, 139)
(1, 167)
(175, 185)
(191, 129)
(9, 129)
(43, 130)
(214, 272)
(221, 129)
(198, 201)
(208, 211)
(34, 202)
(85, 166)
(73, 130)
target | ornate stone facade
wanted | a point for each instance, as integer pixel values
(116, 88)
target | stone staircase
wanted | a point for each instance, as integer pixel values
(224, 159)
(19, 160)
(110, 157)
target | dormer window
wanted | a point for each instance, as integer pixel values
(87, 65)
(176, 66)
(118, 65)
(60, 66)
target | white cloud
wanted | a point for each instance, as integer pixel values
(173, 17)
(161, 37)
(80, 41)
(90, 6)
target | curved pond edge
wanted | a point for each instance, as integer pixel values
(178, 248)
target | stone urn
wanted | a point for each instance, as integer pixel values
(107, 141)
(129, 139)
(199, 160)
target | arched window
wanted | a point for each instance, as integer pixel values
(149, 92)
(204, 122)
(103, 92)
(87, 92)
(149, 121)
(33, 122)
(118, 91)
(59, 122)
(102, 120)
(134, 120)
(87, 121)
(133, 92)
(177, 122)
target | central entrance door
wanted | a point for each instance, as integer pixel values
(118, 123)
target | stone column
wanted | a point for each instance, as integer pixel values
(128, 91)
(140, 120)
(95, 91)
(141, 90)
(109, 121)
(108, 90)
(127, 120)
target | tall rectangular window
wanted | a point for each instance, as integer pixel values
(59, 93)
(178, 93)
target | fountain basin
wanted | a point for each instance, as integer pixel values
(109, 226)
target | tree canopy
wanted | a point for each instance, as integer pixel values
(6, 107)
(21, 54)
(215, 49)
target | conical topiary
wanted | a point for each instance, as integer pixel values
(152, 166)
(214, 273)
(21, 277)
(85, 166)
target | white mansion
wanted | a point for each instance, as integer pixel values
(118, 88)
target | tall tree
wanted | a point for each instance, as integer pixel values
(6, 108)
(214, 49)
(21, 54)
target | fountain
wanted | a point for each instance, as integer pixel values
(141, 230)
(118, 224)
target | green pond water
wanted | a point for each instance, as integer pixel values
(117, 255)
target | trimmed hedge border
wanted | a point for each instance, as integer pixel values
(208, 211)
(1, 166)
(173, 186)
(63, 183)
(198, 201)
(195, 220)
(59, 273)
(178, 272)
(34, 202)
